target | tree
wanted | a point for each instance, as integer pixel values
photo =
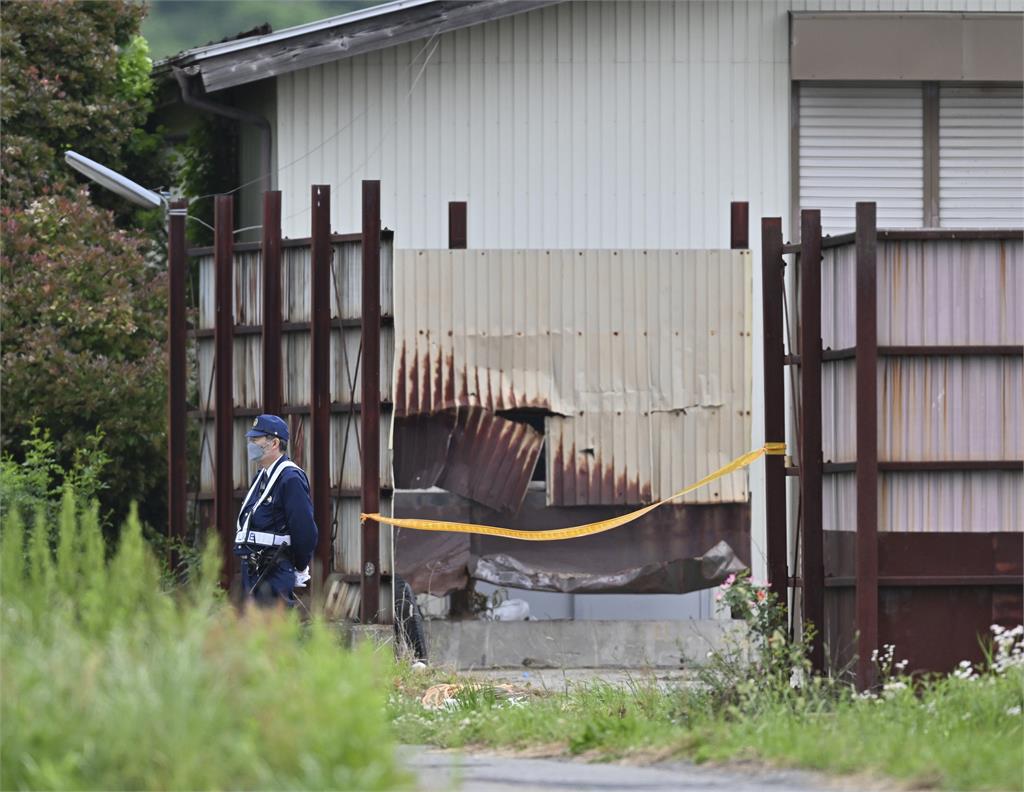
(83, 304)
(76, 75)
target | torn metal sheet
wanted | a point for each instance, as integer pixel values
(472, 453)
(678, 575)
(671, 550)
(641, 360)
(433, 563)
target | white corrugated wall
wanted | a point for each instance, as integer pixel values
(587, 124)
(981, 156)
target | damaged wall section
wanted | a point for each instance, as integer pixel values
(641, 360)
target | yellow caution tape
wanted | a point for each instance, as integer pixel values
(577, 530)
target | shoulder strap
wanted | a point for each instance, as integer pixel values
(279, 468)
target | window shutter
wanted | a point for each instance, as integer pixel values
(981, 156)
(862, 143)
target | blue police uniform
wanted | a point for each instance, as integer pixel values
(268, 570)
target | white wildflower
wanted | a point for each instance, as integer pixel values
(1013, 711)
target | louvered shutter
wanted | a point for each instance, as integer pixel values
(862, 143)
(981, 157)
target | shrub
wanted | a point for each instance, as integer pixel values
(109, 682)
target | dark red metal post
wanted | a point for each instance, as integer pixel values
(739, 225)
(810, 447)
(866, 242)
(320, 368)
(772, 274)
(457, 231)
(177, 375)
(270, 246)
(224, 339)
(369, 611)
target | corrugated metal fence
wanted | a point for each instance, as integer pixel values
(295, 363)
(909, 421)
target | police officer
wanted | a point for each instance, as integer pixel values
(275, 534)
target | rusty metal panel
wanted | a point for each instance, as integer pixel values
(939, 592)
(939, 502)
(490, 459)
(470, 452)
(674, 549)
(931, 292)
(641, 359)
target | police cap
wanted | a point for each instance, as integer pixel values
(269, 425)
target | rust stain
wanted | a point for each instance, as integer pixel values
(436, 402)
(449, 391)
(400, 402)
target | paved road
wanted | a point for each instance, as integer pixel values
(446, 770)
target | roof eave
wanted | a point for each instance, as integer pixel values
(233, 63)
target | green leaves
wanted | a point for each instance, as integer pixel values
(109, 682)
(83, 318)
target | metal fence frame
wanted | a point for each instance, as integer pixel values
(886, 561)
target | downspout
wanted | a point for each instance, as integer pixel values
(201, 102)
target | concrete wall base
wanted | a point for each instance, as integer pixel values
(469, 645)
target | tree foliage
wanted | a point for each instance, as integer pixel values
(83, 322)
(83, 305)
(75, 76)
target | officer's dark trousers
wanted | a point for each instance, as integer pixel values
(269, 588)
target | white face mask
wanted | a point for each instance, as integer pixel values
(256, 451)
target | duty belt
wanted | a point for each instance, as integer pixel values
(264, 539)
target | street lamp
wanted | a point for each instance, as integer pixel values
(176, 372)
(113, 181)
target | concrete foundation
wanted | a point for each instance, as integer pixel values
(467, 645)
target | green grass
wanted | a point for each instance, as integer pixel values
(953, 733)
(107, 682)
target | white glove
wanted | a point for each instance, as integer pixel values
(301, 578)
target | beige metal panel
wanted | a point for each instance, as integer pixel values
(975, 502)
(347, 279)
(346, 364)
(207, 306)
(295, 288)
(930, 409)
(247, 302)
(993, 47)
(839, 411)
(345, 432)
(247, 388)
(937, 292)
(642, 356)
(920, 46)
(930, 293)
(876, 47)
(348, 541)
(838, 306)
(862, 143)
(981, 156)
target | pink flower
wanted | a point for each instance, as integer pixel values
(729, 581)
(762, 595)
(718, 596)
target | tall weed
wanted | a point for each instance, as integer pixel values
(110, 682)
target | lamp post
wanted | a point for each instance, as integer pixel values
(176, 374)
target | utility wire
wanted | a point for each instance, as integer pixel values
(333, 136)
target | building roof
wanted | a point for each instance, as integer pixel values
(241, 61)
